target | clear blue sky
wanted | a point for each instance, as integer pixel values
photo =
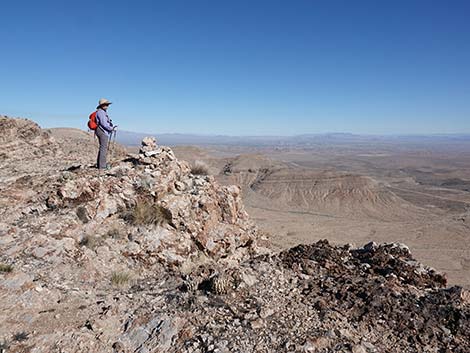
(240, 67)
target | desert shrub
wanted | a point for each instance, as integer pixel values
(4, 346)
(115, 233)
(82, 214)
(120, 278)
(20, 336)
(6, 268)
(145, 184)
(147, 212)
(199, 168)
(91, 241)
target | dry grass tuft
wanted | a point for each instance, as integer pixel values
(147, 212)
(94, 241)
(120, 278)
(199, 168)
(91, 241)
(115, 233)
(6, 268)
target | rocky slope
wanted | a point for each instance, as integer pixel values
(148, 257)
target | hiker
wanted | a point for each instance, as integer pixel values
(103, 131)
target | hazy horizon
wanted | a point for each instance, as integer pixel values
(321, 133)
(241, 68)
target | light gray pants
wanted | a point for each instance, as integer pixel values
(103, 139)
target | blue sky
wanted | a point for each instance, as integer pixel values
(240, 67)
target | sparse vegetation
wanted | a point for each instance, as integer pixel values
(82, 214)
(199, 168)
(147, 212)
(146, 183)
(6, 268)
(91, 241)
(94, 241)
(4, 346)
(20, 336)
(115, 233)
(120, 278)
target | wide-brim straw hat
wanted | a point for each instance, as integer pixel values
(103, 101)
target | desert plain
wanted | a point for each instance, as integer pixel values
(353, 189)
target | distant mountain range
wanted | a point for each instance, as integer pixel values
(133, 139)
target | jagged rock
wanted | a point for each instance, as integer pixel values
(18, 130)
(149, 142)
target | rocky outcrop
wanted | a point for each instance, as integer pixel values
(21, 130)
(147, 257)
(21, 139)
(196, 214)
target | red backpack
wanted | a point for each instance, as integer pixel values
(92, 123)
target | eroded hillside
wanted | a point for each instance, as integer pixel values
(348, 195)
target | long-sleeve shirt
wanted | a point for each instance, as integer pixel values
(104, 121)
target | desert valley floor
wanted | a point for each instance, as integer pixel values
(356, 193)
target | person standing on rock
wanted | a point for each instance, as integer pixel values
(104, 130)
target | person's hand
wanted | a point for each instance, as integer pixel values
(115, 127)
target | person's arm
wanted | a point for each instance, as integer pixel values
(103, 121)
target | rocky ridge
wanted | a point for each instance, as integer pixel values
(147, 257)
